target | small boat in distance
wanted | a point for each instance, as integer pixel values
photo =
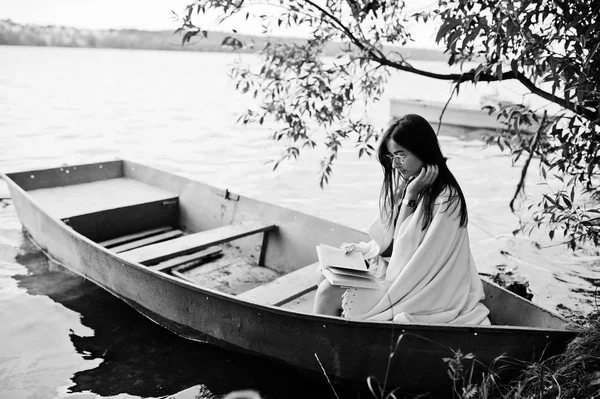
(470, 116)
(213, 266)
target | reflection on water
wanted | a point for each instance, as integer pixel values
(120, 351)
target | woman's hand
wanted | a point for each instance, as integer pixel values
(424, 179)
(361, 247)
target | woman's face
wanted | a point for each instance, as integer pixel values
(404, 161)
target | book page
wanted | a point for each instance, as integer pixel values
(350, 281)
(332, 256)
(351, 272)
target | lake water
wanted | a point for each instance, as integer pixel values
(62, 337)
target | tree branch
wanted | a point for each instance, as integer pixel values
(576, 108)
(513, 74)
(445, 107)
(345, 29)
(532, 148)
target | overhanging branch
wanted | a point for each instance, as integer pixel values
(578, 109)
(458, 78)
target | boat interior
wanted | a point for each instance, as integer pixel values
(139, 215)
(143, 224)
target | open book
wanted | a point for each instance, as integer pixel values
(346, 270)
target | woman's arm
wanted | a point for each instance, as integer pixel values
(423, 180)
(411, 191)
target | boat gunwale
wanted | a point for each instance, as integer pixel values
(390, 325)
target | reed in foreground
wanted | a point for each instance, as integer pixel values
(575, 373)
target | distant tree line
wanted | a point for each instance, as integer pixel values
(15, 34)
(60, 36)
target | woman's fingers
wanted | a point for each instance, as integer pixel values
(361, 247)
(431, 174)
(425, 178)
(348, 247)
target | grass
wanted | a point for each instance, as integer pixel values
(575, 373)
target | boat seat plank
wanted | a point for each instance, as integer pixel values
(173, 234)
(186, 260)
(135, 236)
(197, 241)
(81, 199)
(285, 288)
(304, 303)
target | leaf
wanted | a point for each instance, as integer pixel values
(444, 29)
(188, 36)
(550, 199)
(572, 195)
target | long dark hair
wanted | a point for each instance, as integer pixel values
(415, 134)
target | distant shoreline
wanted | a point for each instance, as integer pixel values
(15, 34)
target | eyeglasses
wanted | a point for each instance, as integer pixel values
(396, 158)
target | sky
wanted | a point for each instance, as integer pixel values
(94, 14)
(137, 14)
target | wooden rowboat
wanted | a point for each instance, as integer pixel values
(216, 267)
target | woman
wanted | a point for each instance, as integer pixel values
(420, 244)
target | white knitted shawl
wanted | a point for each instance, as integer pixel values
(431, 276)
